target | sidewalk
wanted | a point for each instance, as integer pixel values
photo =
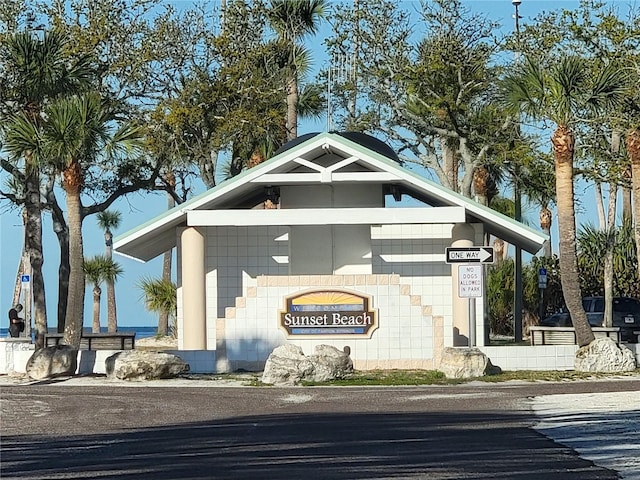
(601, 427)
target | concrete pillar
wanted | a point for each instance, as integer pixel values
(462, 235)
(193, 290)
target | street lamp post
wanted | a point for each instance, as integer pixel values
(517, 304)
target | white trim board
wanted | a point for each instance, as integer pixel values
(326, 216)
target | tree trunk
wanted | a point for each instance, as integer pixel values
(602, 218)
(633, 148)
(480, 185)
(627, 208)
(292, 107)
(75, 306)
(163, 317)
(33, 242)
(61, 230)
(546, 219)
(563, 148)
(112, 314)
(610, 229)
(63, 277)
(17, 287)
(498, 248)
(449, 165)
(96, 309)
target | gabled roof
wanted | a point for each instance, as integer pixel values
(322, 158)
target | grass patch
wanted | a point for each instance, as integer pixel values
(417, 377)
(388, 377)
(434, 377)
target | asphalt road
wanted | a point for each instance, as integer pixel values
(53, 431)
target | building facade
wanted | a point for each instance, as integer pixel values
(333, 242)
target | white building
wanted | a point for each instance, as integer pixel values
(338, 261)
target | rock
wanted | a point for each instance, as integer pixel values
(157, 343)
(604, 355)
(330, 363)
(54, 361)
(466, 363)
(143, 365)
(288, 365)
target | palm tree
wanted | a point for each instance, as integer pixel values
(98, 269)
(108, 220)
(593, 245)
(292, 20)
(562, 94)
(539, 187)
(78, 130)
(93, 273)
(160, 296)
(36, 71)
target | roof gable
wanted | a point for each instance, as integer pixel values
(322, 158)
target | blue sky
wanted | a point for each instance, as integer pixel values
(139, 208)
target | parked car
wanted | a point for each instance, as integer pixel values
(626, 315)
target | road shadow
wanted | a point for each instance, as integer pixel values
(441, 445)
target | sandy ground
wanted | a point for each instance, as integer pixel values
(601, 427)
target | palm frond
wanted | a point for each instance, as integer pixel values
(109, 219)
(159, 295)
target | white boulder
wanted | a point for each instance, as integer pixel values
(465, 363)
(54, 361)
(288, 365)
(143, 365)
(604, 355)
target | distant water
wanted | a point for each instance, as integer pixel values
(141, 332)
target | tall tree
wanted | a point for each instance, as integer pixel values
(98, 269)
(598, 32)
(429, 93)
(564, 94)
(109, 220)
(539, 187)
(293, 20)
(76, 131)
(593, 245)
(35, 72)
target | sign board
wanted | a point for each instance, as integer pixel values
(542, 278)
(328, 312)
(470, 281)
(469, 254)
(25, 278)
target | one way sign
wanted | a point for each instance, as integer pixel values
(469, 255)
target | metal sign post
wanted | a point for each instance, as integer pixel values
(470, 285)
(542, 284)
(25, 281)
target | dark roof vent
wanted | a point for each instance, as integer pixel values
(296, 141)
(360, 138)
(372, 143)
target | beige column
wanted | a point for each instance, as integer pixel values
(462, 235)
(193, 290)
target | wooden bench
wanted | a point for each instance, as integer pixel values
(97, 341)
(567, 335)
